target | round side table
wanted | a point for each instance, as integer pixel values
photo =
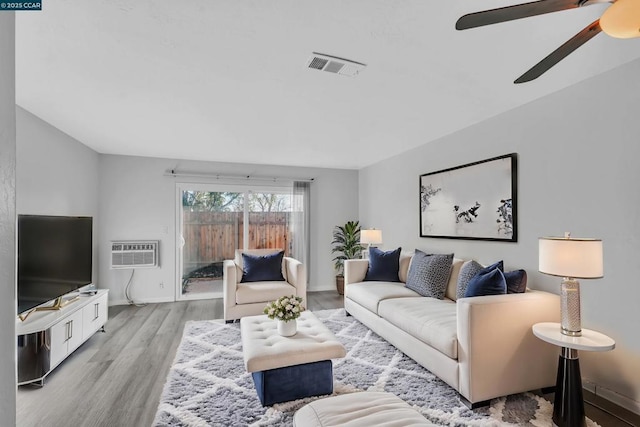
(568, 403)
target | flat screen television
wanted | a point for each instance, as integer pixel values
(54, 257)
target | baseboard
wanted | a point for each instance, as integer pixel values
(165, 299)
(322, 288)
(611, 396)
(146, 301)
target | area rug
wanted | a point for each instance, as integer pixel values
(208, 385)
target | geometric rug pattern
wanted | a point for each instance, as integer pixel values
(208, 385)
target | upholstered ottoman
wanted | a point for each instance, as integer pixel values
(363, 409)
(289, 368)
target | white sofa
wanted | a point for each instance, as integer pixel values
(249, 299)
(482, 346)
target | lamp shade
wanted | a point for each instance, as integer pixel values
(622, 19)
(371, 237)
(569, 257)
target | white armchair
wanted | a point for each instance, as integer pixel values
(249, 299)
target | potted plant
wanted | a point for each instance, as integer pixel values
(346, 243)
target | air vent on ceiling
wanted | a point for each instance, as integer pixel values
(333, 64)
(134, 254)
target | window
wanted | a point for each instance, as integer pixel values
(216, 220)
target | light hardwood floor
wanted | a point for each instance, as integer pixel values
(115, 379)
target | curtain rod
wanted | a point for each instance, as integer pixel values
(176, 173)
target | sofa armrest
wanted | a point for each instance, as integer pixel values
(296, 275)
(229, 284)
(497, 351)
(355, 270)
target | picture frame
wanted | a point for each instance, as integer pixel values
(475, 201)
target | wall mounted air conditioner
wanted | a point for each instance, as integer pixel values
(134, 254)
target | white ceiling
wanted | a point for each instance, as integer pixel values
(227, 81)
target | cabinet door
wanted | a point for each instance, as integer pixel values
(75, 331)
(58, 337)
(94, 315)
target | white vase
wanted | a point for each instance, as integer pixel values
(287, 329)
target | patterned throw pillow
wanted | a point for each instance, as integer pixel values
(383, 266)
(489, 281)
(262, 268)
(467, 272)
(516, 281)
(429, 274)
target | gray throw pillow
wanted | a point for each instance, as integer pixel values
(429, 274)
(468, 270)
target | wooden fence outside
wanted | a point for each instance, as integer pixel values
(211, 237)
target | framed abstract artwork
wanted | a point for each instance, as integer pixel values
(473, 201)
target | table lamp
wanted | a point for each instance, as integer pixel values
(370, 237)
(571, 259)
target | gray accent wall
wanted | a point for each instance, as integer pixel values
(7, 220)
(56, 174)
(578, 152)
(138, 202)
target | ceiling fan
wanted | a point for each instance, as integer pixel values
(620, 20)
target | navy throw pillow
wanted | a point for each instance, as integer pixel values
(516, 281)
(262, 268)
(429, 274)
(489, 281)
(383, 266)
(499, 265)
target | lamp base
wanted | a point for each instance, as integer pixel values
(365, 252)
(570, 307)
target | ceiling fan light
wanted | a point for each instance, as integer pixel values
(622, 19)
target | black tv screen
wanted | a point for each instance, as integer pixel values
(54, 257)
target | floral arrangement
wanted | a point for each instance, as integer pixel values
(284, 308)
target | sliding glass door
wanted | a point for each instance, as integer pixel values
(214, 221)
(210, 230)
(269, 215)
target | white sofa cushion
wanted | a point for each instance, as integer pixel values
(453, 279)
(251, 292)
(405, 261)
(430, 320)
(362, 409)
(369, 294)
(356, 269)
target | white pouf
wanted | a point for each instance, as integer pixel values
(365, 409)
(264, 348)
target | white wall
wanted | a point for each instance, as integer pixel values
(7, 220)
(129, 198)
(56, 174)
(138, 202)
(578, 154)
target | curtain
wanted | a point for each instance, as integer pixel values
(300, 224)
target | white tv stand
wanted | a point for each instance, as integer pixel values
(46, 338)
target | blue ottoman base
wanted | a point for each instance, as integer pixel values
(294, 382)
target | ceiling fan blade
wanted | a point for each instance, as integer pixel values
(509, 13)
(560, 53)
